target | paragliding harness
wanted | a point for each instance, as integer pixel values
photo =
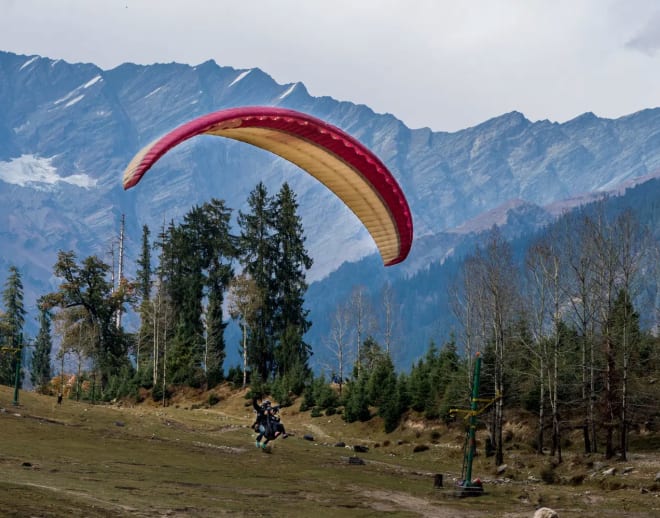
(267, 419)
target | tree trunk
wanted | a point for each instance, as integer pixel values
(539, 447)
(592, 400)
(609, 397)
(245, 358)
(499, 390)
(585, 393)
(624, 398)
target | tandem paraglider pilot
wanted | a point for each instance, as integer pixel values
(267, 423)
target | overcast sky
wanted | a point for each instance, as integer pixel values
(445, 64)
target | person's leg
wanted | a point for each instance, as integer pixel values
(262, 432)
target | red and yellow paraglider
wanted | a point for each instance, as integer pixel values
(329, 154)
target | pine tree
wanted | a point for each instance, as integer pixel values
(13, 320)
(186, 289)
(382, 381)
(291, 265)
(143, 275)
(143, 272)
(257, 255)
(195, 268)
(356, 407)
(40, 369)
(403, 392)
(218, 248)
(389, 407)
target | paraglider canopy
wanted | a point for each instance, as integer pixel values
(329, 154)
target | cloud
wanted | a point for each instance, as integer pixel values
(647, 40)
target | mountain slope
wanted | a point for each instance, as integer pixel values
(68, 130)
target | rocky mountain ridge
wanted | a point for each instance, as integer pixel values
(67, 130)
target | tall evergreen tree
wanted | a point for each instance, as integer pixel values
(13, 320)
(143, 272)
(258, 255)
(196, 269)
(356, 405)
(291, 265)
(389, 405)
(186, 289)
(40, 372)
(218, 249)
(143, 275)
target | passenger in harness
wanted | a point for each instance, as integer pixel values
(267, 423)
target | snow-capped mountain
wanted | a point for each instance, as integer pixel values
(67, 131)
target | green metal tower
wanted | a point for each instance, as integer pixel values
(467, 486)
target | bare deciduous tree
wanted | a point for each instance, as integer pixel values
(338, 341)
(544, 265)
(362, 318)
(245, 299)
(496, 274)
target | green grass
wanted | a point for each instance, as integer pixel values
(82, 460)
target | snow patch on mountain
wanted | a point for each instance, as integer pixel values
(92, 81)
(74, 101)
(76, 91)
(153, 92)
(66, 97)
(29, 62)
(39, 173)
(240, 76)
(289, 90)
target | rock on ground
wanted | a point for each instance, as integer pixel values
(545, 512)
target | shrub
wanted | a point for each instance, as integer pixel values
(145, 378)
(577, 479)
(356, 407)
(548, 474)
(235, 376)
(158, 394)
(281, 392)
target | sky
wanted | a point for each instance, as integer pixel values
(443, 64)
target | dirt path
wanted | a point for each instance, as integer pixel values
(387, 501)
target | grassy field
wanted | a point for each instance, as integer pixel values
(78, 459)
